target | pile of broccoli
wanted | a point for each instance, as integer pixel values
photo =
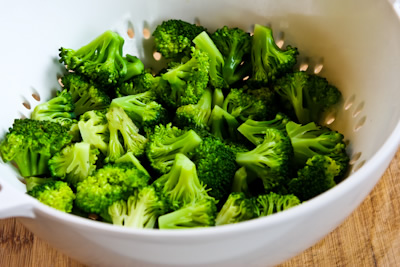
(227, 131)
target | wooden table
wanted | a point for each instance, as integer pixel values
(369, 237)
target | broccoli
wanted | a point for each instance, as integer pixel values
(138, 84)
(102, 60)
(112, 182)
(243, 105)
(216, 166)
(239, 183)
(74, 162)
(317, 176)
(218, 97)
(119, 124)
(142, 109)
(223, 125)
(195, 116)
(184, 82)
(235, 46)
(268, 60)
(140, 210)
(200, 213)
(93, 128)
(270, 160)
(58, 109)
(270, 203)
(165, 142)
(31, 143)
(308, 95)
(255, 131)
(32, 181)
(237, 208)
(181, 184)
(311, 139)
(86, 95)
(130, 158)
(56, 194)
(173, 38)
(204, 43)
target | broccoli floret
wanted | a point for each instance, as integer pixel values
(56, 194)
(165, 142)
(317, 176)
(124, 135)
(93, 127)
(243, 105)
(101, 60)
(58, 109)
(268, 60)
(311, 139)
(195, 116)
(201, 213)
(130, 158)
(255, 131)
(85, 94)
(74, 162)
(308, 95)
(31, 182)
(31, 143)
(142, 109)
(141, 210)
(138, 84)
(240, 183)
(173, 38)
(204, 43)
(216, 166)
(223, 125)
(218, 97)
(270, 203)
(181, 184)
(237, 208)
(270, 160)
(112, 182)
(184, 82)
(235, 46)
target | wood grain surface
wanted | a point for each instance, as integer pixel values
(369, 237)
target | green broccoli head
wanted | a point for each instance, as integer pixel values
(237, 208)
(165, 142)
(195, 116)
(311, 139)
(223, 125)
(270, 160)
(308, 95)
(235, 46)
(140, 210)
(200, 213)
(268, 60)
(138, 84)
(184, 82)
(86, 95)
(101, 60)
(74, 162)
(216, 166)
(124, 135)
(142, 109)
(58, 109)
(267, 204)
(112, 182)
(56, 194)
(204, 43)
(31, 143)
(255, 131)
(181, 185)
(173, 38)
(317, 176)
(240, 183)
(93, 128)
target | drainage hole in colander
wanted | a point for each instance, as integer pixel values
(146, 31)
(36, 96)
(280, 39)
(157, 55)
(355, 158)
(358, 166)
(304, 64)
(360, 124)
(196, 21)
(26, 104)
(358, 109)
(330, 118)
(349, 102)
(130, 32)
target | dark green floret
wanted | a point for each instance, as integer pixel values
(223, 125)
(237, 208)
(56, 194)
(271, 203)
(31, 143)
(268, 60)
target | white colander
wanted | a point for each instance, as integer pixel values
(355, 44)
